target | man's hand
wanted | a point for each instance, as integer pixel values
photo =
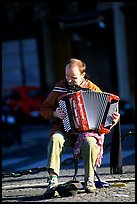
(59, 113)
(115, 117)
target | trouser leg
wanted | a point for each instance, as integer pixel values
(56, 146)
(89, 153)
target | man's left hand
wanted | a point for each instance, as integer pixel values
(116, 117)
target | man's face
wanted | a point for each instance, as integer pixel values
(73, 76)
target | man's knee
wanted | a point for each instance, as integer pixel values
(58, 137)
(90, 141)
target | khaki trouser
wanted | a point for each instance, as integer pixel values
(89, 151)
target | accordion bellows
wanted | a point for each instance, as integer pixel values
(88, 110)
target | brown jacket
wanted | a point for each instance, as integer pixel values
(51, 103)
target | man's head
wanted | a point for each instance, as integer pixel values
(75, 72)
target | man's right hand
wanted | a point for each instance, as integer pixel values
(59, 113)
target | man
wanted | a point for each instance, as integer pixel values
(91, 147)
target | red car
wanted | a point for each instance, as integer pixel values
(25, 101)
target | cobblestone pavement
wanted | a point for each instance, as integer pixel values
(30, 188)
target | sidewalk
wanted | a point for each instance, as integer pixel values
(30, 188)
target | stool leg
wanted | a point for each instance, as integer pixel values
(76, 161)
(98, 178)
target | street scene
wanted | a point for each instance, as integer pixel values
(71, 66)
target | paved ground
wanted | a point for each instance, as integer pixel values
(30, 188)
(32, 153)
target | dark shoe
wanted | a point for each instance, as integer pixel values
(50, 192)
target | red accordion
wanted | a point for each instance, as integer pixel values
(88, 110)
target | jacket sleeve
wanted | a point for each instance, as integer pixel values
(49, 105)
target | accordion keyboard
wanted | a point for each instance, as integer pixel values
(66, 121)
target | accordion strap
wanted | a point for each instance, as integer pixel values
(60, 89)
(69, 90)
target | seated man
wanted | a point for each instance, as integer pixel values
(91, 147)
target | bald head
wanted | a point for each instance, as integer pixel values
(75, 72)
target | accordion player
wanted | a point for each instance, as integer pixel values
(88, 110)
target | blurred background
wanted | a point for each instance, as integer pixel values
(37, 40)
